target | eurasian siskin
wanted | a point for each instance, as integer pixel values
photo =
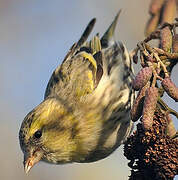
(85, 114)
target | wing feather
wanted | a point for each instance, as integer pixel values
(82, 68)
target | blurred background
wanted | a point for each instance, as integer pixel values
(35, 35)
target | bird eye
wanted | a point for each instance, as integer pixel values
(38, 134)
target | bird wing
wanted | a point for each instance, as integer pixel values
(82, 68)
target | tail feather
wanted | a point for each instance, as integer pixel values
(86, 33)
(108, 35)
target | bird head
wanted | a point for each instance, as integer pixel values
(45, 134)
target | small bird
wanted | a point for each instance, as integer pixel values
(85, 114)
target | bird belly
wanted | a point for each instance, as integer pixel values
(113, 135)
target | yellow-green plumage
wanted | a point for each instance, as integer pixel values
(85, 114)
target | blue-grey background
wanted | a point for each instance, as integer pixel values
(35, 35)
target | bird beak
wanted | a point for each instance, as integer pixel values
(30, 161)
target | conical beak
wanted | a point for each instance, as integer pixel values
(28, 164)
(30, 161)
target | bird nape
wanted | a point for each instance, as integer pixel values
(85, 114)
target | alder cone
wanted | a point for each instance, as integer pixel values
(170, 88)
(155, 6)
(149, 107)
(152, 154)
(152, 24)
(137, 107)
(169, 11)
(171, 130)
(142, 78)
(166, 39)
(175, 43)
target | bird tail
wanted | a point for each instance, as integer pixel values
(107, 38)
